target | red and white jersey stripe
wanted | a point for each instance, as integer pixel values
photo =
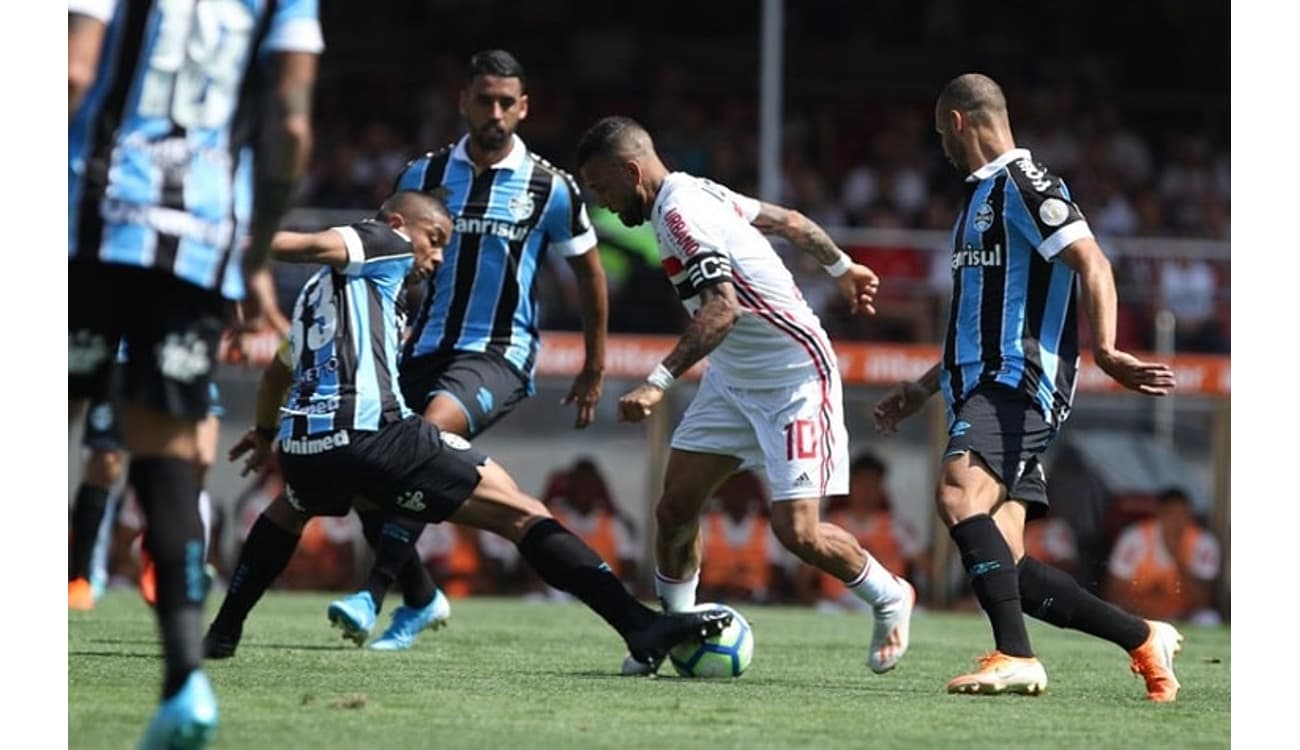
(705, 235)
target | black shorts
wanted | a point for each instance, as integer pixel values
(407, 467)
(1006, 431)
(171, 329)
(486, 386)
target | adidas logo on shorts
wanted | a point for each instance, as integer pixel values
(803, 480)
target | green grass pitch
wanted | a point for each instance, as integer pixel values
(506, 673)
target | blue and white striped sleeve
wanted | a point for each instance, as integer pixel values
(1039, 208)
(567, 224)
(100, 10)
(295, 27)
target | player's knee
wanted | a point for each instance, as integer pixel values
(104, 468)
(957, 501)
(285, 516)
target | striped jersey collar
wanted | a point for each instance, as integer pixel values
(512, 161)
(995, 166)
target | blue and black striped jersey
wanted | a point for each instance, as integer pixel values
(1013, 318)
(159, 172)
(345, 338)
(506, 218)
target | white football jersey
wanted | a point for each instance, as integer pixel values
(705, 237)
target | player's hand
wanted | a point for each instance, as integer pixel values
(256, 447)
(859, 285)
(1151, 378)
(639, 403)
(585, 393)
(904, 400)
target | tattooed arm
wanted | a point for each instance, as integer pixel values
(798, 230)
(283, 145)
(718, 313)
(858, 283)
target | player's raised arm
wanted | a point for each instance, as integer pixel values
(283, 145)
(86, 24)
(328, 248)
(1097, 285)
(858, 283)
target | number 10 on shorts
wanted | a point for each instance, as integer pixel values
(800, 439)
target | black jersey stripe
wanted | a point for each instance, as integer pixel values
(994, 282)
(94, 181)
(950, 339)
(433, 177)
(476, 207)
(539, 189)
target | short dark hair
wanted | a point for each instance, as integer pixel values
(1173, 494)
(974, 93)
(611, 135)
(407, 202)
(494, 62)
(868, 461)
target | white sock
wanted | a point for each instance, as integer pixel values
(103, 539)
(875, 585)
(205, 515)
(678, 595)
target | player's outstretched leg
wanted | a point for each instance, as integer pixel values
(267, 551)
(566, 563)
(394, 545)
(1051, 595)
(423, 606)
(798, 525)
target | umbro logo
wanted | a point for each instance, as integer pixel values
(959, 429)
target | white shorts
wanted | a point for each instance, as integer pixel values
(794, 433)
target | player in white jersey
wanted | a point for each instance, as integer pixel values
(771, 396)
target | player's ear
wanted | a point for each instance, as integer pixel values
(395, 220)
(523, 106)
(957, 120)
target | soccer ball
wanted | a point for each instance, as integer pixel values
(727, 654)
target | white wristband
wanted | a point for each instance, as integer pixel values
(839, 267)
(661, 378)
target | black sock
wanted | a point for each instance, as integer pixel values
(168, 491)
(993, 574)
(87, 513)
(418, 588)
(1051, 595)
(393, 550)
(566, 562)
(266, 553)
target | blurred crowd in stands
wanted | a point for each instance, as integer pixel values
(1146, 156)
